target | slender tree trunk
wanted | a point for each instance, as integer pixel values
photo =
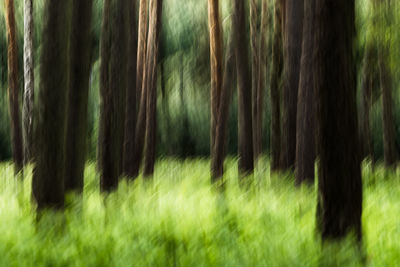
(48, 175)
(215, 30)
(151, 84)
(77, 109)
(131, 93)
(142, 93)
(255, 72)
(366, 90)
(276, 75)
(245, 131)
(305, 140)
(389, 142)
(105, 53)
(339, 185)
(218, 155)
(29, 88)
(13, 90)
(262, 70)
(292, 46)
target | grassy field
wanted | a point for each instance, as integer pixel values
(179, 219)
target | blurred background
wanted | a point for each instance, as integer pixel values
(183, 106)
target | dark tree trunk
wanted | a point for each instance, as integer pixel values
(77, 116)
(131, 93)
(292, 56)
(305, 140)
(366, 91)
(113, 92)
(48, 175)
(245, 131)
(218, 155)
(255, 72)
(389, 143)
(339, 186)
(151, 84)
(276, 75)
(13, 90)
(216, 65)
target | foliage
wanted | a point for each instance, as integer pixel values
(179, 219)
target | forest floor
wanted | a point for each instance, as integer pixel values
(179, 219)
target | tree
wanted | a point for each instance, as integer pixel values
(142, 93)
(112, 92)
(386, 81)
(215, 30)
(292, 56)
(276, 74)
(29, 88)
(131, 91)
(367, 85)
(305, 140)
(218, 155)
(48, 175)
(13, 90)
(255, 72)
(151, 85)
(77, 108)
(245, 131)
(339, 185)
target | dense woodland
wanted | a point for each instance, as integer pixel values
(268, 94)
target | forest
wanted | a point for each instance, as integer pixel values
(199, 133)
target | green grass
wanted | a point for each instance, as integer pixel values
(179, 219)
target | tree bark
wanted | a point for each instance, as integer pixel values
(13, 90)
(339, 187)
(77, 109)
(245, 131)
(389, 142)
(255, 72)
(218, 155)
(276, 75)
(142, 93)
(131, 93)
(29, 88)
(48, 175)
(305, 140)
(366, 91)
(113, 92)
(292, 56)
(215, 30)
(151, 85)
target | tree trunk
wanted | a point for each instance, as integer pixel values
(389, 142)
(292, 56)
(305, 140)
(218, 155)
(255, 72)
(29, 88)
(366, 91)
(48, 175)
(131, 93)
(339, 187)
(151, 85)
(77, 109)
(113, 92)
(276, 75)
(215, 30)
(262, 70)
(13, 90)
(142, 93)
(245, 131)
